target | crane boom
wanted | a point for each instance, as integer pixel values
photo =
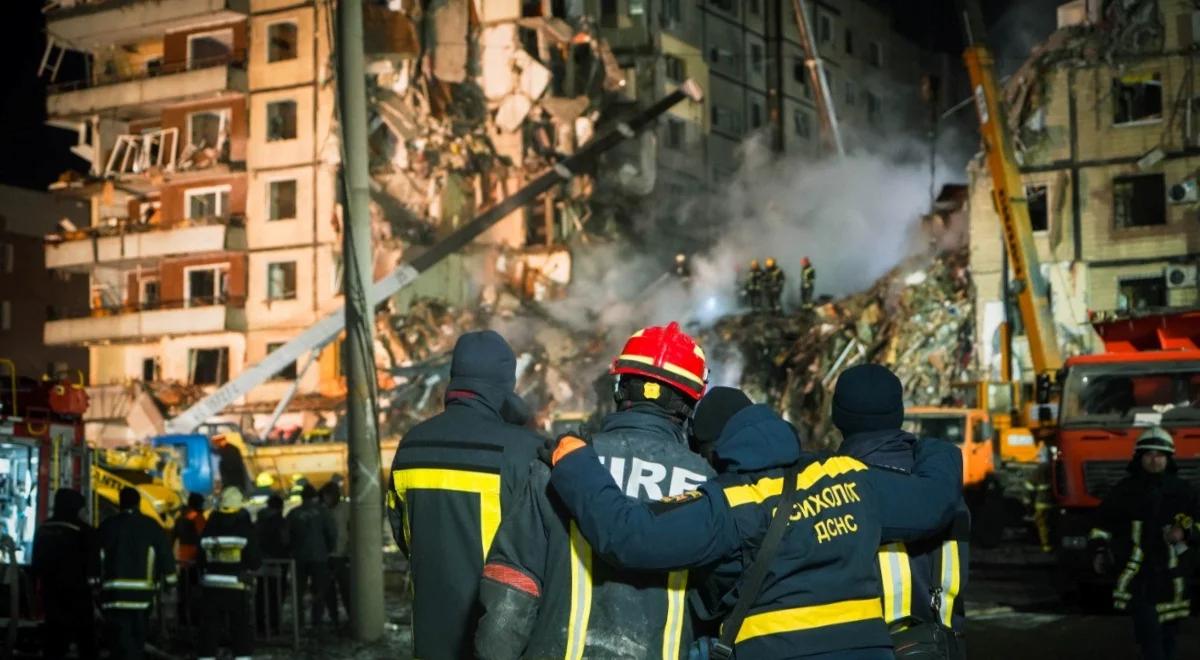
(816, 74)
(327, 329)
(1008, 194)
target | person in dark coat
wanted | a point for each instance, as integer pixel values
(64, 570)
(536, 601)
(231, 466)
(820, 598)
(135, 557)
(272, 532)
(339, 554)
(311, 535)
(923, 580)
(1146, 527)
(452, 478)
(229, 551)
(186, 534)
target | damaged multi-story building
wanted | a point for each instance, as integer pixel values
(1103, 119)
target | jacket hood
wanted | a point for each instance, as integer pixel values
(642, 417)
(755, 439)
(892, 448)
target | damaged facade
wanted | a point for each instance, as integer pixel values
(1103, 115)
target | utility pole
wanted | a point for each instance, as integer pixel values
(366, 496)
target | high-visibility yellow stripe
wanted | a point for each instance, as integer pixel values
(1099, 534)
(581, 595)
(762, 489)
(807, 618)
(484, 484)
(951, 580)
(673, 626)
(1121, 592)
(666, 366)
(896, 574)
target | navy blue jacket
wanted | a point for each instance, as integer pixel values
(452, 476)
(918, 574)
(822, 593)
(544, 594)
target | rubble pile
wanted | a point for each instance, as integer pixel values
(918, 320)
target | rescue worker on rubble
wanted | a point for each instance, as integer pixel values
(229, 552)
(134, 557)
(820, 595)
(683, 268)
(808, 282)
(311, 536)
(544, 593)
(186, 534)
(1146, 527)
(752, 286)
(772, 278)
(271, 531)
(922, 579)
(453, 476)
(64, 570)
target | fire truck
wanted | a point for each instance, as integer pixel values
(42, 449)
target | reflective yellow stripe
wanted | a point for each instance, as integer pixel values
(139, 585)
(666, 366)
(581, 595)
(126, 605)
(484, 484)
(896, 572)
(762, 489)
(1099, 534)
(1121, 592)
(673, 627)
(807, 618)
(950, 580)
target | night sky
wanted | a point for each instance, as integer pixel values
(32, 154)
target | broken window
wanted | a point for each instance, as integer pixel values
(824, 29)
(875, 54)
(1141, 292)
(675, 134)
(206, 285)
(288, 372)
(208, 366)
(676, 68)
(1137, 98)
(874, 110)
(207, 202)
(755, 114)
(1139, 201)
(281, 121)
(149, 370)
(1039, 211)
(207, 128)
(282, 196)
(849, 42)
(756, 57)
(281, 281)
(609, 14)
(210, 48)
(282, 39)
(800, 123)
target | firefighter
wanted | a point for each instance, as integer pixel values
(544, 593)
(271, 530)
(186, 534)
(339, 555)
(820, 596)
(683, 268)
(229, 552)
(1146, 526)
(923, 579)
(808, 281)
(752, 286)
(311, 535)
(231, 466)
(134, 557)
(62, 565)
(452, 478)
(772, 289)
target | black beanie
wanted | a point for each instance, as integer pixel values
(867, 397)
(713, 411)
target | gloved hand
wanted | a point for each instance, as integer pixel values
(552, 451)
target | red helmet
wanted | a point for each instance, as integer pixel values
(667, 355)
(804, 261)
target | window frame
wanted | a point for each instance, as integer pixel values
(224, 115)
(295, 119)
(1156, 81)
(282, 374)
(208, 33)
(189, 193)
(1118, 180)
(219, 269)
(295, 280)
(270, 199)
(296, 45)
(143, 283)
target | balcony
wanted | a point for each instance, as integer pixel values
(131, 323)
(145, 91)
(129, 244)
(94, 23)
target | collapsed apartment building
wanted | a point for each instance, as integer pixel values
(1102, 114)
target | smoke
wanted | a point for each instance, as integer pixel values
(1023, 25)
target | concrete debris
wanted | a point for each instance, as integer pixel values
(918, 320)
(446, 39)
